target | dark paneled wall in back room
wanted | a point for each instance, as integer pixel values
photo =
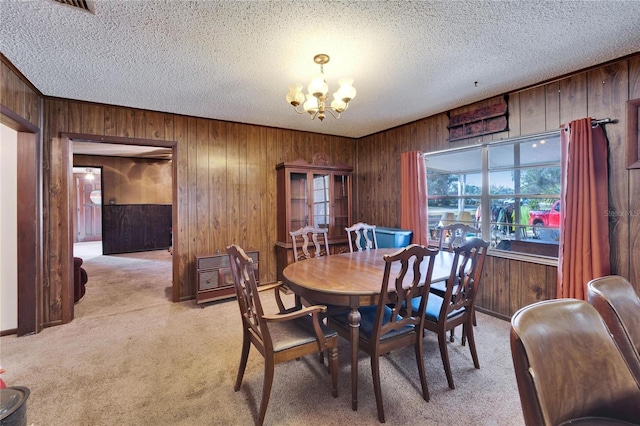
(226, 180)
(131, 180)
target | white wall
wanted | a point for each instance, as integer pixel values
(8, 229)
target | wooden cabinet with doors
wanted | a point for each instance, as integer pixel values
(317, 194)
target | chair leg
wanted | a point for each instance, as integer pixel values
(444, 354)
(468, 330)
(375, 372)
(421, 370)
(266, 388)
(246, 345)
(332, 354)
(464, 335)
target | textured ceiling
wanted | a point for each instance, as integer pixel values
(234, 61)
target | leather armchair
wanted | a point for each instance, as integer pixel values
(568, 367)
(619, 306)
(80, 279)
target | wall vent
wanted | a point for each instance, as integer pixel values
(86, 5)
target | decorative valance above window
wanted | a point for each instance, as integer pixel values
(481, 121)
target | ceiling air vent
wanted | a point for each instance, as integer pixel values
(86, 5)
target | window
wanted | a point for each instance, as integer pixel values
(321, 201)
(509, 189)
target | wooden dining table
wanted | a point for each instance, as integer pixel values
(351, 280)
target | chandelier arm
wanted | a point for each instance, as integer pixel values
(333, 112)
(295, 108)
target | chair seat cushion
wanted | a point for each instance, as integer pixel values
(298, 332)
(434, 305)
(367, 319)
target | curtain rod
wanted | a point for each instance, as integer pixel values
(595, 122)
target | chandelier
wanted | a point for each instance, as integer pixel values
(317, 96)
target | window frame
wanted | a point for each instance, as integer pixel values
(487, 199)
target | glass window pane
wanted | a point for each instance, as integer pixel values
(321, 201)
(461, 161)
(523, 177)
(541, 181)
(540, 151)
(501, 182)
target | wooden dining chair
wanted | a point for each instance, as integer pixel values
(618, 304)
(304, 238)
(453, 236)
(301, 241)
(279, 337)
(362, 232)
(568, 367)
(456, 235)
(457, 305)
(388, 325)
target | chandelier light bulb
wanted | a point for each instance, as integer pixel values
(347, 91)
(295, 96)
(311, 105)
(338, 104)
(318, 87)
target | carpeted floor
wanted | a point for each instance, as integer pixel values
(132, 357)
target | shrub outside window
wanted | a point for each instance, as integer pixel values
(508, 189)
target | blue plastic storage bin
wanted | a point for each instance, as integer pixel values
(393, 237)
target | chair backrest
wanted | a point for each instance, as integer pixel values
(619, 306)
(464, 280)
(303, 236)
(246, 287)
(567, 365)
(456, 235)
(409, 275)
(362, 233)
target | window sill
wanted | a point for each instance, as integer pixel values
(524, 257)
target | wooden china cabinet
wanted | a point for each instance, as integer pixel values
(316, 194)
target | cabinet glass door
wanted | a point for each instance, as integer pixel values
(321, 199)
(299, 208)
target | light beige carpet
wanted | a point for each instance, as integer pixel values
(132, 357)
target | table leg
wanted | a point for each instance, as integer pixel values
(354, 322)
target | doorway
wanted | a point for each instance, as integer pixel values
(87, 223)
(26, 247)
(92, 199)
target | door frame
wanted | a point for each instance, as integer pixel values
(29, 226)
(67, 140)
(77, 198)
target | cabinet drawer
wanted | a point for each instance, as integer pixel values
(220, 260)
(214, 277)
(213, 262)
(208, 279)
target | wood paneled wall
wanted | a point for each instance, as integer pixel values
(18, 95)
(226, 181)
(226, 178)
(600, 92)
